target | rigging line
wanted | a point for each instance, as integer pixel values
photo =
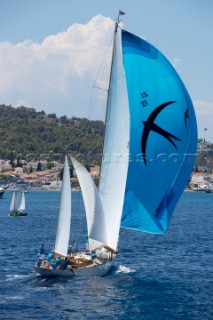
(99, 75)
(93, 102)
(101, 88)
(100, 106)
(109, 47)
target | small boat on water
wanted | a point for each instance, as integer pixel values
(208, 191)
(149, 150)
(3, 189)
(17, 206)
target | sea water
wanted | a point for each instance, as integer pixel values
(154, 277)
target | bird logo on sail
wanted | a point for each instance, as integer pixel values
(149, 126)
(186, 115)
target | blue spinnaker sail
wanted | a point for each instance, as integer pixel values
(163, 137)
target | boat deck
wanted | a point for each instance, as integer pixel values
(79, 263)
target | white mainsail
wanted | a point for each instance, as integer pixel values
(22, 203)
(116, 152)
(64, 218)
(13, 205)
(96, 224)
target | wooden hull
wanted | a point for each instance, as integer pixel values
(89, 271)
(54, 273)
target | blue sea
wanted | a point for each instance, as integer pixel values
(154, 277)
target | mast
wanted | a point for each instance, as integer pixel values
(120, 13)
(110, 77)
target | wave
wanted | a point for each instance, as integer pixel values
(11, 277)
(124, 269)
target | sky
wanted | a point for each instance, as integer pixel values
(52, 52)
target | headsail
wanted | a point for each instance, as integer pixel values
(96, 221)
(64, 218)
(13, 205)
(22, 202)
(163, 136)
(115, 154)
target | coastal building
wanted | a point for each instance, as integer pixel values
(95, 172)
(5, 165)
(199, 182)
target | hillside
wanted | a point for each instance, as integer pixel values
(30, 134)
(25, 131)
(204, 160)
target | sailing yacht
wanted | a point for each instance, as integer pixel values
(98, 260)
(17, 206)
(149, 150)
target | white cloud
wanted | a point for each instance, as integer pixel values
(56, 75)
(203, 108)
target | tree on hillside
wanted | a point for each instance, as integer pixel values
(39, 166)
(52, 116)
(19, 164)
(62, 171)
(12, 159)
(196, 169)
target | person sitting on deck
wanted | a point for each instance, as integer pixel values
(38, 262)
(64, 263)
(49, 257)
(58, 262)
(53, 265)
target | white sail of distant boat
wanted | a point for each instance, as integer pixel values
(149, 150)
(22, 207)
(64, 218)
(13, 205)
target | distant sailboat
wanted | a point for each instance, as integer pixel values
(17, 206)
(149, 150)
